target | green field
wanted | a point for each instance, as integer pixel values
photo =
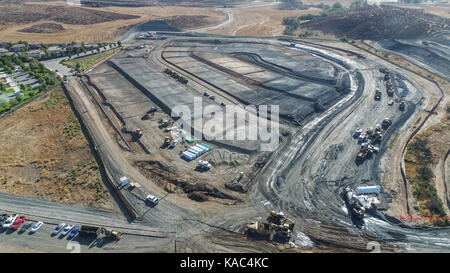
(86, 62)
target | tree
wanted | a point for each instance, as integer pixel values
(337, 5)
(78, 66)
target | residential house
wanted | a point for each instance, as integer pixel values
(54, 49)
(34, 54)
(34, 45)
(3, 44)
(18, 47)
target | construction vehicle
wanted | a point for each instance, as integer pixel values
(183, 80)
(204, 165)
(363, 153)
(278, 227)
(89, 231)
(402, 105)
(237, 179)
(386, 122)
(377, 95)
(362, 138)
(390, 92)
(137, 133)
(165, 123)
(355, 206)
(258, 229)
(173, 144)
(383, 70)
(377, 137)
(168, 141)
(111, 234)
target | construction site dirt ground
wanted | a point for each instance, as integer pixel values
(163, 166)
(391, 177)
(46, 155)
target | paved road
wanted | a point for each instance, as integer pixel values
(55, 64)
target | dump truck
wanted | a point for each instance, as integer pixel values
(354, 205)
(90, 231)
(111, 233)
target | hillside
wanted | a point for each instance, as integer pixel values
(376, 23)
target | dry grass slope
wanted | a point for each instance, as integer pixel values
(45, 155)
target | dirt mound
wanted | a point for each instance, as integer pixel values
(168, 179)
(44, 28)
(376, 23)
(25, 14)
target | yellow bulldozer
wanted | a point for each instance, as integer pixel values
(279, 228)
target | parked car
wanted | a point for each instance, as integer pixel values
(391, 102)
(25, 226)
(206, 94)
(212, 97)
(36, 227)
(152, 199)
(66, 230)
(10, 221)
(3, 218)
(222, 104)
(74, 232)
(19, 221)
(58, 229)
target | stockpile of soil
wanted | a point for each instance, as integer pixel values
(377, 23)
(44, 28)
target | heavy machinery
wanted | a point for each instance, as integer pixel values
(111, 234)
(204, 165)
(137, 133)
(89, 231)
(165, 123)
(168, 140)
(386, 123)
(355, 206)
(364, 152)
(377, 95)
(278, 227)
(402, 105)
